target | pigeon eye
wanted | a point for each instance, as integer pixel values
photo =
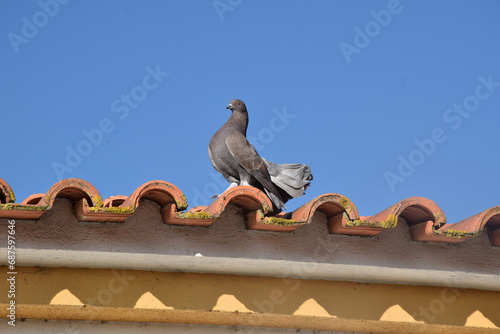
(238, 103)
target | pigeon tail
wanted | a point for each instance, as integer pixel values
(293, 179)
(278, 203)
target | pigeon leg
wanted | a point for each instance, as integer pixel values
(231, 186)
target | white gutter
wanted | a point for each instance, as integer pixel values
(253, 267)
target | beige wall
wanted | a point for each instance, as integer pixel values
(231, 300)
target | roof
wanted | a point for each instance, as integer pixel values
(426, 221)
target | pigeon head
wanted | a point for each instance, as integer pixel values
(237, 104)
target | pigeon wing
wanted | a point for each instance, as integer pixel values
(248, 158)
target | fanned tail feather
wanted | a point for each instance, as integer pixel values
(293, 179)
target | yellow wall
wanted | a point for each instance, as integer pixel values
(127, 295)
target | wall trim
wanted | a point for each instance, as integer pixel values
(254, 267)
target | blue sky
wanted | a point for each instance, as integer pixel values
(383, 99)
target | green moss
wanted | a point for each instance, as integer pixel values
(439, 217)
(113, 209)
(344, 202)
(182, 204)
(186, 215)
(458, 233)
(14, 206)
(279, 221)
(358, 222)
(97, 201)
(12, 198)
(196, 215)
(202, 215)
(47, 198)
(267, 208)
(391, 222)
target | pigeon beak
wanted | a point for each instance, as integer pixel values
(229, 106)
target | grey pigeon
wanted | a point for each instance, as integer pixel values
(236, 159)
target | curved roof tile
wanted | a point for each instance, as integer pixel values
(426, 221)
(6, 193)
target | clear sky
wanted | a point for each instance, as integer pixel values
(385, 100)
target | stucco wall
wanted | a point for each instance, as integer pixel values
(144, 232)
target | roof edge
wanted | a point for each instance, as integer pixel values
(255, 267)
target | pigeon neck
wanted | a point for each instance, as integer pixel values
(239, 119)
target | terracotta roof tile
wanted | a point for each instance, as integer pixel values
(33, 199)
(6, 193)
(427, 222)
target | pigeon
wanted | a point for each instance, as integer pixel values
(236, 159)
